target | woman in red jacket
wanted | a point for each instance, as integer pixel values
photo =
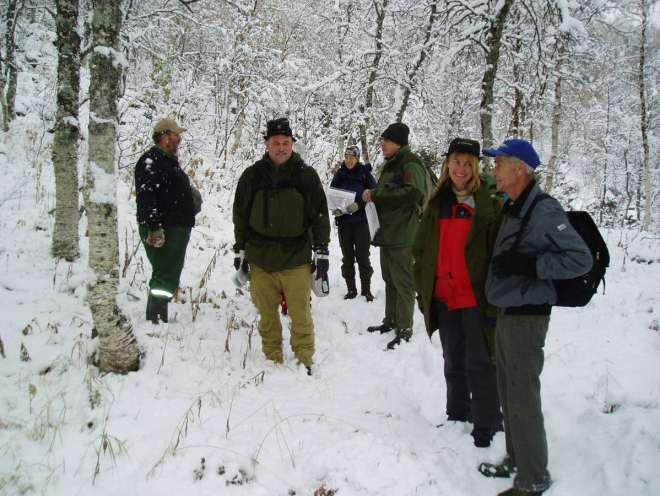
(452, 252)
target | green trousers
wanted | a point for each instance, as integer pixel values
(519, 341)
(396, 265)
(266, 289)
(166, 261)
(355, 242)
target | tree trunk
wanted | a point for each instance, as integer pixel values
(554, 146)
(643, 115)
(118, 349)
(515, 126)
(11, 71)
(494, 41)
(67, 132)
(368, 103)
(418, 64)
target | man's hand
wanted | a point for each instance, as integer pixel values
(509, 263)
(156, 237)
(366, 196)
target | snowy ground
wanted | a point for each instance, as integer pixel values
(369, 422)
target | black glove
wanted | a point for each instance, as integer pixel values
(509, 263)
(321, 261)
(241, 262)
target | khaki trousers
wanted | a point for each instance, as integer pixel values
(266, 289)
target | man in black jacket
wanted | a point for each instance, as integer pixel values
(166, 208)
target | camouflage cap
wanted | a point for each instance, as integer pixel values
(167, 125)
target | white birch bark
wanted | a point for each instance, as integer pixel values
(67, 133)
(118, 348)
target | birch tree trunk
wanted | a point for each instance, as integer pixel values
(423, 54)
(554, 145)
(643, 117)
(368, 102)
(493, 42)
(10, 78)
(67, 132)
(118, 348)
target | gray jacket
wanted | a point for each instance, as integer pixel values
(561, 253)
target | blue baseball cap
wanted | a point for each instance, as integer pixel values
(519, 148)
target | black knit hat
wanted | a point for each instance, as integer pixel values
(464, 145)
(397, 132)
(278, 127)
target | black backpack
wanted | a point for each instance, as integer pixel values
(577, 292)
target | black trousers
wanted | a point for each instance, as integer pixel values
(355, 242)
(469, 370)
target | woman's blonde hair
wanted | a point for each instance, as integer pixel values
(475, 181)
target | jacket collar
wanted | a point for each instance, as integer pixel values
(514, 208)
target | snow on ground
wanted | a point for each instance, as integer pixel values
(368, 422)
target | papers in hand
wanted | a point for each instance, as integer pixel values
(372, 219)
(339, 198)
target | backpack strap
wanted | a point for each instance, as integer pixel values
(526, 217)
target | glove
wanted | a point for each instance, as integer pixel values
(509, 263)
(156, 237)
(352, 208)
(321, 262)
(240, 262)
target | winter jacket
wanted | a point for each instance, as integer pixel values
(478, 248)
(398, 197)
(559, 250)
(279, 213)
(356, 179)
(163, 191)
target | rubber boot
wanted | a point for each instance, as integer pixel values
(352, 290)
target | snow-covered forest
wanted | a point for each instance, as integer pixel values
(82, 83)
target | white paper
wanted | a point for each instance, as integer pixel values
(372, 219)
(339, 198)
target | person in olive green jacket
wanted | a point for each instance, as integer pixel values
(452, 253)
(280, 215)
(398, 196)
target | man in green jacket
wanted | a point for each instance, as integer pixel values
(398, 197)
(280, 215)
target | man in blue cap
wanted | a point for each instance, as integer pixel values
(535, 244)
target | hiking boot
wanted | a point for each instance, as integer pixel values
(482, 436)
(501, 470)
(401, 334)
(382, 328)
(366, 289)
(518, 492)
(352, 290)
(156, 309)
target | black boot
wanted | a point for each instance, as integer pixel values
(156, 309)
(352, 290)
(401, 335)
(503, 469)
(382, 328)
(366, 289)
